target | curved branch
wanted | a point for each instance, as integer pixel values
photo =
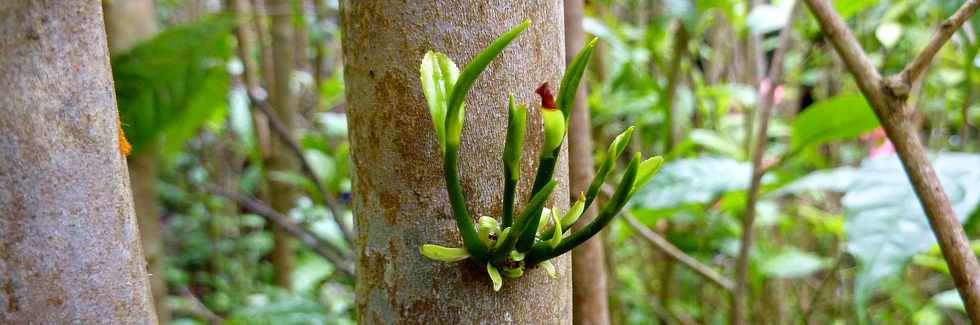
(323, 248)
(914, 70)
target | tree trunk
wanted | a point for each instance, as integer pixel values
(280, 159)
(69, 244)
(588, 268)
(129, 22)
(400, 199)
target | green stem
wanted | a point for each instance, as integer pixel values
(471, 240)
(533, 207)
(510, 185)
(610, 210)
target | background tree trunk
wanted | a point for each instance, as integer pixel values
(588, 268)
(400, 199)
(69, 244)
(129, 22)
(280, 159)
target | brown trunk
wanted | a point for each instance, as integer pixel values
(400, 199)
(588, 268)
(129, 22)
(280, 159)
(69, 244)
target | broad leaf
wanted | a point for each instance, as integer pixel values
(692, 181)
(168, 86)
(836, 118)
(793, 263)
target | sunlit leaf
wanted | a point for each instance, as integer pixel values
(836, 118)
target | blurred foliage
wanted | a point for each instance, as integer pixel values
(840, 236)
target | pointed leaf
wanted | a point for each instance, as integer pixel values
(648, 168)
(473, 69)
(556, 236)
(495, 277)
(573, 76)
(438, 74)
(442, 253)
(550, 268)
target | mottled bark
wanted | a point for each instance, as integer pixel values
(400, 199)
(588, 268)
(283, 100)
(129, 22)
(69, 244)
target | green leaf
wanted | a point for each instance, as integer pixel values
(495, 277)
(554, 131)
(444, 254)
(516, 124)
(473, 69)
(692, 181)
(793, 263)
(169, 86)
(715, 142)
(648, 168)
(550, 268)
(573, 76)
(615, 149)
(885, 223)
(836, 118)
(438, 75)
(556, 236)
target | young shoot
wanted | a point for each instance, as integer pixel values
(535, 235)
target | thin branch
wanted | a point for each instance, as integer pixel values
(197, 308)
(766, 106)
(280, 129)
(323, 248)
(676, 254)
(914, 70)
(850, 51)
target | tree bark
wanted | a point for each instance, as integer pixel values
(69, 244)
(280, 159)
(588, 272)
(400, 199)
(129, 22)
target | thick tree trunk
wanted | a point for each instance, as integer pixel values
(588, 268)
(400, 199)
(69, 244)
(280, 159)
(129, 22)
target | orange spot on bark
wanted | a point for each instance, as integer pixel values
(124, 147)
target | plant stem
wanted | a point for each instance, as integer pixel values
(740, 292)
(463, 222)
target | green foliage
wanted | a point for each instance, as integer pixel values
(168, 86)
(885, 223)
(692, 181)
(792, 263)
(837, 118)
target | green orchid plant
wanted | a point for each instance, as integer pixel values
(537, 234)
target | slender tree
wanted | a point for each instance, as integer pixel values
(69, 243)
(588, 276)
(283, 100)
(400, 197)
(129, 22)
(888, 96)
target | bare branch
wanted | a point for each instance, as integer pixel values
(676, 254)
(914, 70)
(739, 294)
(280, 129)
(663, 245)
(850, 51)
(323, 248)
